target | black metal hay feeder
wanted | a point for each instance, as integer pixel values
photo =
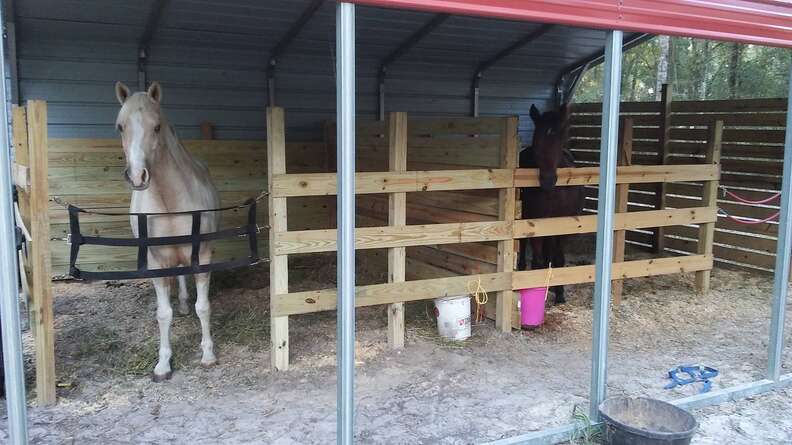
(143, 242)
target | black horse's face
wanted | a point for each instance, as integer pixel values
(551, 130)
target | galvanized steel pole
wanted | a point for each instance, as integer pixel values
(9, 299)
(605, 208)
(781, 278)
(345, 108)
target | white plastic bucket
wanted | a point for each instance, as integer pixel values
(453, 317)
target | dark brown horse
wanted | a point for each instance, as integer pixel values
(547, 153)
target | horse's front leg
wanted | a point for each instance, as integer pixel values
(203, 311)
(184, 295)
(559, 260)
(162, 371)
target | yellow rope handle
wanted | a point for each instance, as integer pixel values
(479, 294)
(547, 282)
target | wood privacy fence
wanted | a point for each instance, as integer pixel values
(399, 184)
(676, 132)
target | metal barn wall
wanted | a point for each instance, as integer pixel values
(211, 59)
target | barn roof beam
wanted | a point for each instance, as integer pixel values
(284, 43)
(144, 43)
(567, 82)
(502, 54)
(401, 50)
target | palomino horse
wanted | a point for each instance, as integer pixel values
(165, 178)
(551, 131)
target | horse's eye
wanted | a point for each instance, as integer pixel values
(120, 128)
(157, 128)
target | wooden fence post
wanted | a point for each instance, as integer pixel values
(397, 216)
(709, 199)
(506, 210)
(622, 199)
(664, 151)
(207, 130)
(41, 261)
(279, 264)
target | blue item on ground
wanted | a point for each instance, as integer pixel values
(695, 374)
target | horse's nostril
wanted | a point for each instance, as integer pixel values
(144, 178)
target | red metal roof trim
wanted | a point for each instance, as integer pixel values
(767, 22)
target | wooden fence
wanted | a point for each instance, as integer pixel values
(676, 132)
(397, 133)
(88, 173)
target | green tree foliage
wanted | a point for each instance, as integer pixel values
(698, 70)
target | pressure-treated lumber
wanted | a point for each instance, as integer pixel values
(622, 200)
(41, 314)
(385, 182)
(314, 184)
(309, 241)
(506, 211)
(634, 174)
(22, 157)
(312, 241)
(279, 264)
(709, 198)
(325, 299)
(628, 269)
(568, 225)
(397, 217)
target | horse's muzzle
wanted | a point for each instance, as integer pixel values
(141, 182)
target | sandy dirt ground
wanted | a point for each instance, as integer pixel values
(491, 386)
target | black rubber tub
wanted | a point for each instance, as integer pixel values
(644, 421)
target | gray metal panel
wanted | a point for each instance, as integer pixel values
(211, 57)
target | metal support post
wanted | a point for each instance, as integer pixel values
(9, 297)
(781, 278)
(345, 108)
(605, 211)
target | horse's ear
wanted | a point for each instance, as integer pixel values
(122, 92)
(155, 92)
(535, 114)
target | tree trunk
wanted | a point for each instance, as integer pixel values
(662, 64)
(734, 67)
(703, 74)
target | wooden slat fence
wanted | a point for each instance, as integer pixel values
(88, 173)
(751, 162)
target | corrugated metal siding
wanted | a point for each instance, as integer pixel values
(211, 59)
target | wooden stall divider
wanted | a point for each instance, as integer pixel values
(664, 152)
(397, 217)
(622, 198)
(706, 234)
(41, 314)
(506, 210)
(279, 264)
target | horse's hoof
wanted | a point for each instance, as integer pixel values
(161, 378)
(208, 365)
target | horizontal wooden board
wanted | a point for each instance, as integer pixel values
(730, 119)
(730, 105)
(633, 174)
(624, 107)
(628, 269)
(289, 185)
(622, 221)
(310, 241)
(325, 300)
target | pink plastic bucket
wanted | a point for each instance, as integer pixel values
(532, 306)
